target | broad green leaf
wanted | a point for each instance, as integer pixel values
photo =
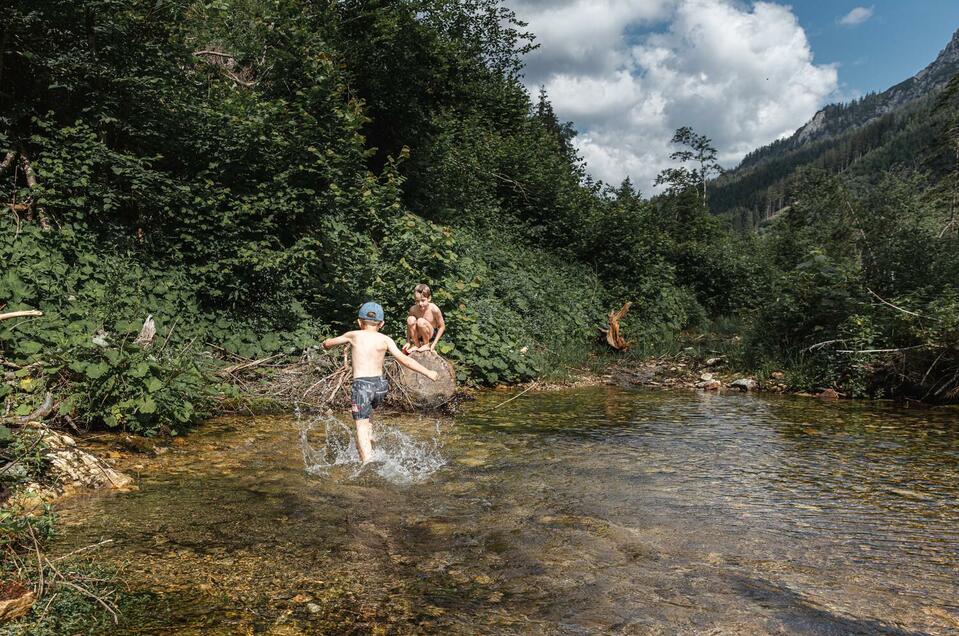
(96, 370)
(147, 406)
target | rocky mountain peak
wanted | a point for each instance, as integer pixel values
(836, 119)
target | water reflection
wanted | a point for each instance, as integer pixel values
(586, 511)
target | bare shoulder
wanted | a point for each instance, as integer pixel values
(435, 307)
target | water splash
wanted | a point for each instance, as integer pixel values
(397, 457)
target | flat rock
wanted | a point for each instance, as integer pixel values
(77, 468)
(744, 384)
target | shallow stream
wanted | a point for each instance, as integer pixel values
(586, 511)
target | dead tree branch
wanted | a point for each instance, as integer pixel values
(897, 308)
(613, 335)
(226, 62)
(7, 162)
(31, 178)
(897, 350)
(820, 345)
(20, 314)
(42, 411)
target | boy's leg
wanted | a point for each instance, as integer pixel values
(363, 444)
(362, 396)
(425, 332)
(411, 332)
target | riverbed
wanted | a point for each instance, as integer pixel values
(584, 511)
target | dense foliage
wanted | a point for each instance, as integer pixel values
(249, 173)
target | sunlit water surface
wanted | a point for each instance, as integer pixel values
(588, 511)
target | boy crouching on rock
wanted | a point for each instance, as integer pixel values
(423, 322)
(369, 385)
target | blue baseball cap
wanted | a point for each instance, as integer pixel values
(371, 311)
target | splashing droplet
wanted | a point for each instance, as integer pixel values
(397, 457)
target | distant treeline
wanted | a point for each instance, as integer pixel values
(910, 139)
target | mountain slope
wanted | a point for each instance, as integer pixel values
(839, 137)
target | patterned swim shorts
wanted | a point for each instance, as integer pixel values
(367, 394)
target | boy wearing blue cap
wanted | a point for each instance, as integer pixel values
(369, 385)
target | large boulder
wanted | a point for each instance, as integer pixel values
(417, 391)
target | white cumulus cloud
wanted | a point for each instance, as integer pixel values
(630, 72)
(857, 16)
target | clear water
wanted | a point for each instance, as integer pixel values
(592, 511)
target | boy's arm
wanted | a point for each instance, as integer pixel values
(329, 343)
(440, 328)
(407, 361)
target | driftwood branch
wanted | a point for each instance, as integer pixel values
(228, 56)
(246, 365)
(520, 394)
(613, 335)
(20, 314)
(339, 383)
(820, 345)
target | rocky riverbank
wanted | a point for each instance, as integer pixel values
(682, 372)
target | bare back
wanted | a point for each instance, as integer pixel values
(369, 350)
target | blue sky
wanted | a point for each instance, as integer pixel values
(899, 39)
